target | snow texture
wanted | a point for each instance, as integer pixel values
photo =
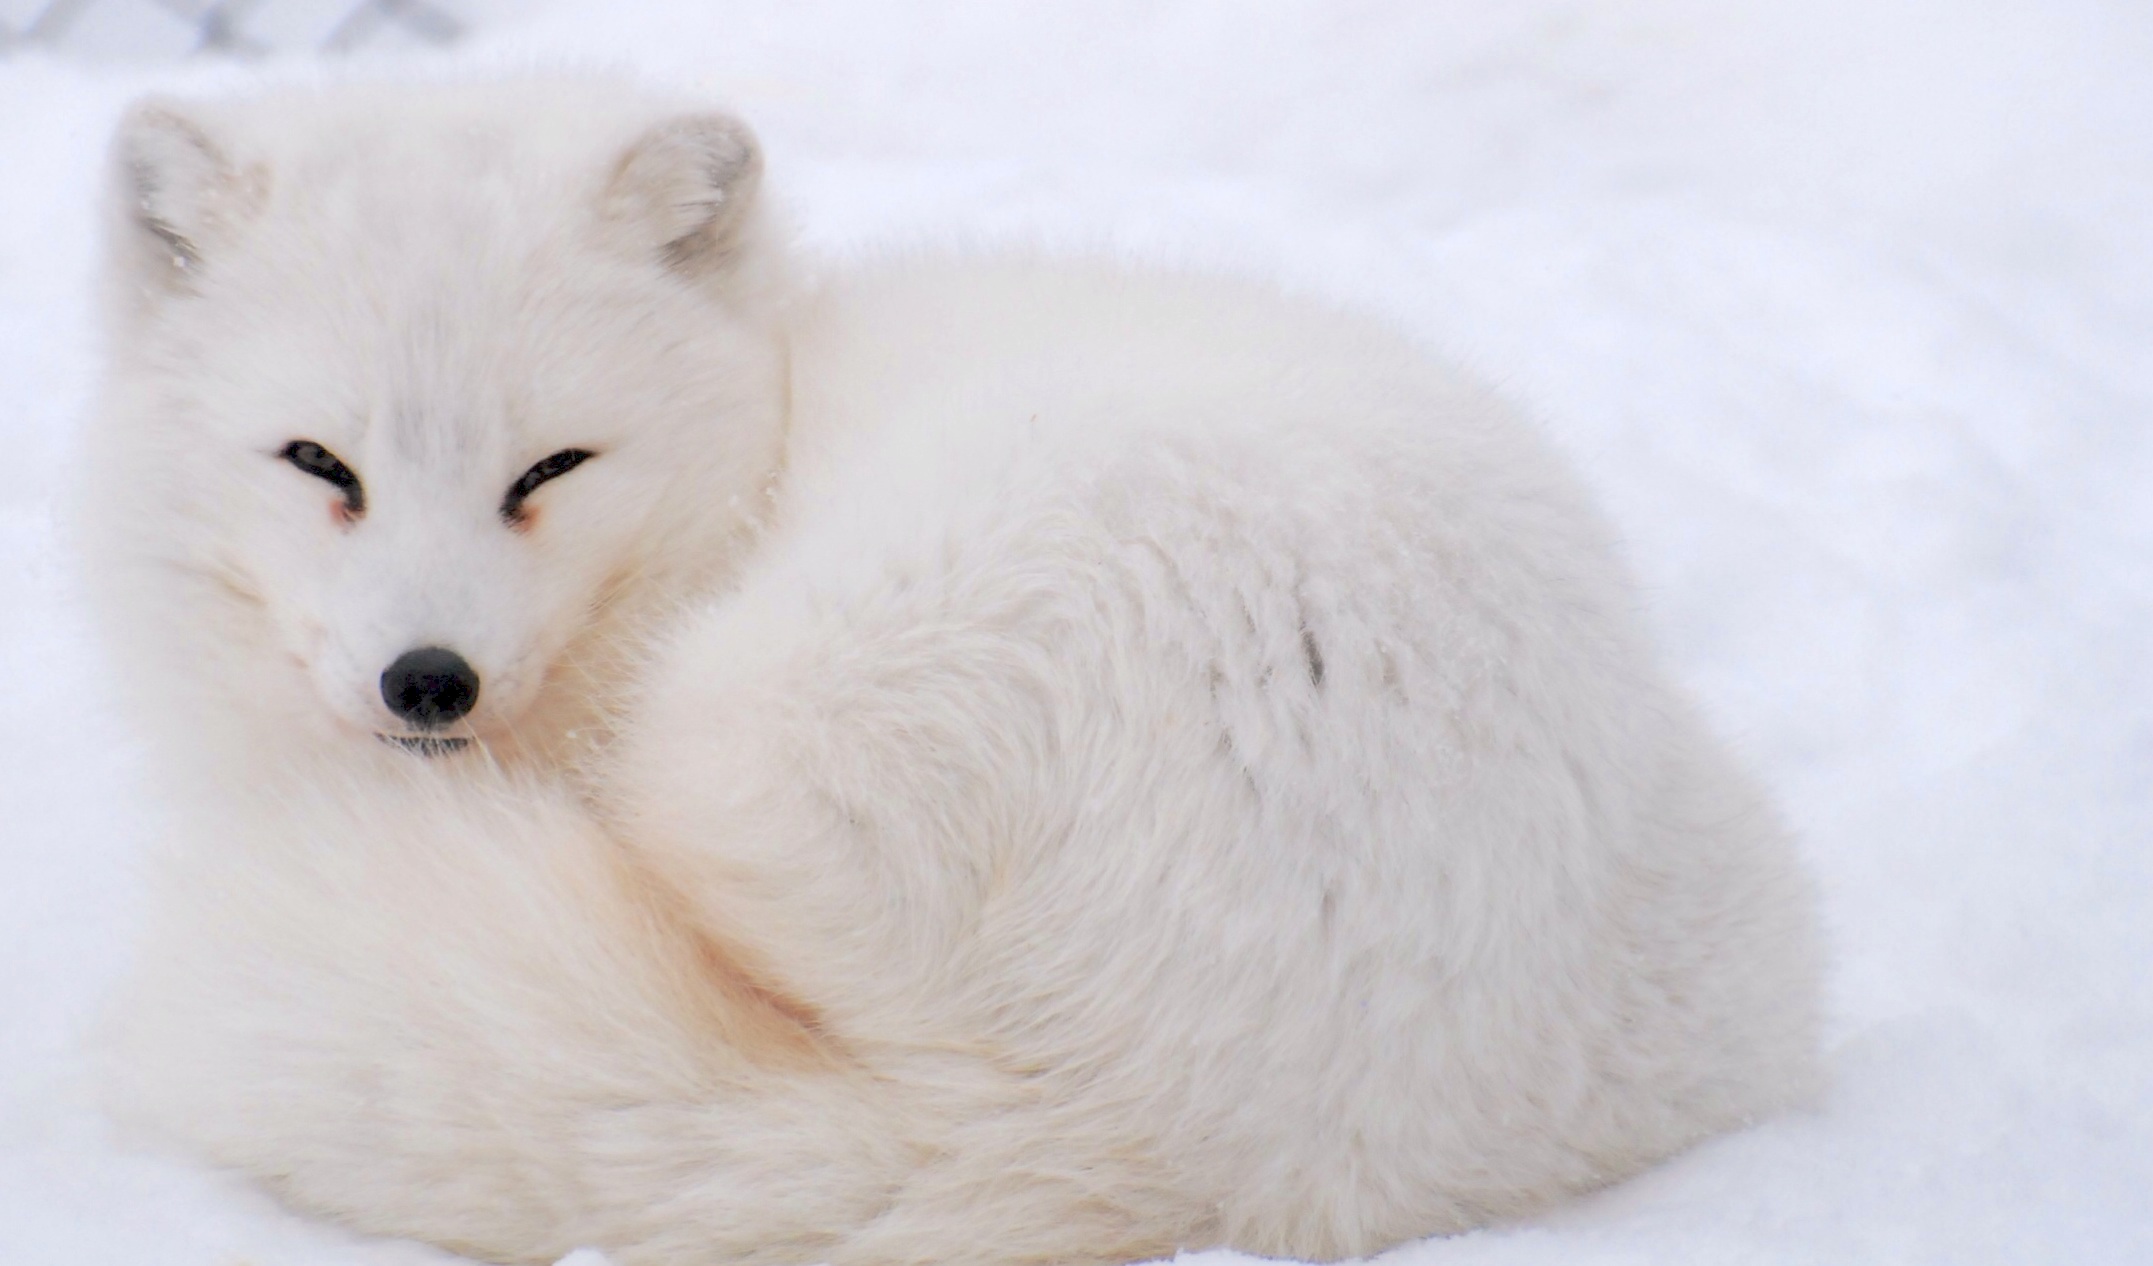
(1844, 306)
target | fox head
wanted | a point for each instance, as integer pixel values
(414, 390)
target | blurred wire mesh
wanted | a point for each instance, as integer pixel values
(162, 29)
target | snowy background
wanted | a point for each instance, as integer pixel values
(1845, 306)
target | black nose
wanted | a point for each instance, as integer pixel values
(429, 687)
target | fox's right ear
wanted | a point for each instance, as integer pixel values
(178, 193)
(686, 190)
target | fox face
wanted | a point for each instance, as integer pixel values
(420, 420)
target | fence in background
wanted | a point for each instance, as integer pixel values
(169, 29)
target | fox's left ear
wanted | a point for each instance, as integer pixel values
(178, 193)
(684, 190)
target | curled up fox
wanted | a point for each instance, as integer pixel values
(676, 747)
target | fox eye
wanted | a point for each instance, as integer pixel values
(324, 465)
(550, 468)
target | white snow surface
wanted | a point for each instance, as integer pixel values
(1844, 306)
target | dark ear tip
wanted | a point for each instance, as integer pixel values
(176, 185)
(152, 109)
(159, 140)
(724, 147)
(688, 182)
(156, 123)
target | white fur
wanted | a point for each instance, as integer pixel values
(995, 761)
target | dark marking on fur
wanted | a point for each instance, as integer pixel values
(1587, 791)
(1232, 753)
(1387, 673)
(183, 253)
(698, 248)
(780, 1020)
(1314, 654)
(744, 1005)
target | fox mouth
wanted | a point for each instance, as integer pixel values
(426, 744)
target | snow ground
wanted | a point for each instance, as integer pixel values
(1845, 306)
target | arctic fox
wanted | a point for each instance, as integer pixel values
(949, 760)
